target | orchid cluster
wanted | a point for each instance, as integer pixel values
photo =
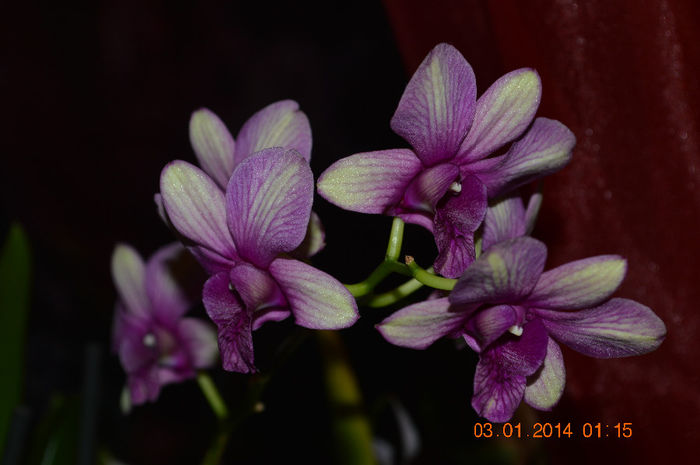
(245, 215)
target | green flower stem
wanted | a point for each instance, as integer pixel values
(394, 295)
(393, 249)
(377, 276)
(211, 393)
(389, 265)
(427, 278)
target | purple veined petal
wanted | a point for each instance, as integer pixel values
(618, 328)
(419, 325)
(545, 387)
(545, 149)
(199, 339)
(257, 289)
(504, 220)
(524, 354)
(370, 182)
(316, 299)
(234, 324)
(580, 284)
(268, 202)
(421, 219)
(502, 114)
(437, 107)
(314, 241)
(211, 261)
(426, 189)
(280, 124)
(173, 282)
(270, 314)
(213, 145)
(499, 382)
(533, 209)
(456, 219)
(490, 323)
(196, 207)
(506, 273)
(129, 275)
(497, 393)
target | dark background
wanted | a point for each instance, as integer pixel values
(96, 99)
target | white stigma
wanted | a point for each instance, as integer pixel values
(516, 330)
(149, 340)
(456, 187)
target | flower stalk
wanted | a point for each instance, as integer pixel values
(211, 393)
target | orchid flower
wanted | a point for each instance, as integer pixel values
(443, 183)
(514, 316)
(244, 236)
(156, 345)
(280, 124)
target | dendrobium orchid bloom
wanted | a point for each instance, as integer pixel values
(245, 236)
(280, 124)
(443, 183)
(156, 345)
(514, 315)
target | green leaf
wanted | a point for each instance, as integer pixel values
(55, 439)
(15, 276)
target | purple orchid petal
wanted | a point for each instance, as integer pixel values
(173, 281)
(419, 325)
(489, 324)
(545, 149)
(370, 182)
(256, 288)
(501, 374)
(234, 324)
(280, 124)
(524, 354)
(580, 284)
(437, 107)
(199, 339)
(426, 189)
(533, 209)
(505, 273)
(196, 207)
(144, 386)
(546, 386)
(211, 261)
(497, 393)
(454, 226)
(499, 382)
(618, 328)
(213, 145)
(268, 202)
(128, 272)
(421, 219)
(502, 113)
(504, 220)
(316, 299)
(314, 241)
